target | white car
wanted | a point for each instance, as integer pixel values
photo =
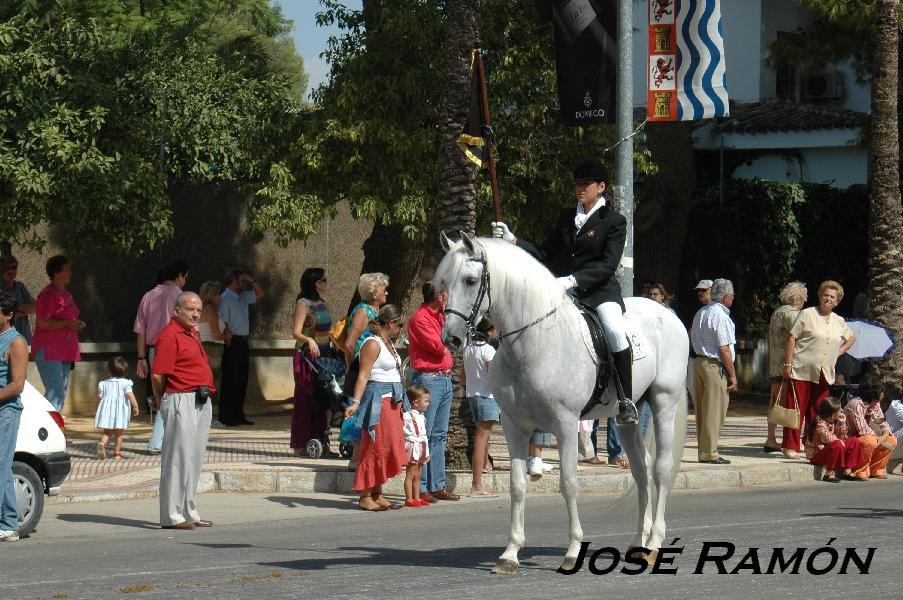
(41, 462)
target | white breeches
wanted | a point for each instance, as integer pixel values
(613, 325)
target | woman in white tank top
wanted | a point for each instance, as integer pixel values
(378, 396)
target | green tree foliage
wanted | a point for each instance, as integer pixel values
(373, 139)
(102, 104)
(783, 231)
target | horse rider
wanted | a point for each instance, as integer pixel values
(583, 251)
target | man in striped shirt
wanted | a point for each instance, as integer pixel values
(713, 337)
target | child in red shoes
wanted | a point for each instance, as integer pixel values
(416, 444)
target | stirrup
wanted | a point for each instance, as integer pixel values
(627, 412)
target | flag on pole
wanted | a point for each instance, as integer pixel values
(686, 69)
(586, 58)
(472, 140)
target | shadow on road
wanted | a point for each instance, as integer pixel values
(107, 520)
(480, 558)
(860, 513)
(345, 503)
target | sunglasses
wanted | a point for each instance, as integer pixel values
(11, 268)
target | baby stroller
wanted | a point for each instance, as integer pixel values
(328, 397)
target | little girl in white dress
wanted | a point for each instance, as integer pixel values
(416, 444)
(117, 407)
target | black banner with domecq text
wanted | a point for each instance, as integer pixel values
(586, 55)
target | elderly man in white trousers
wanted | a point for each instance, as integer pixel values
(183, 383)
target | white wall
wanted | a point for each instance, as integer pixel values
(839, 167)
(787, 15)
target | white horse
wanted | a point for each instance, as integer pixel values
(544, 372)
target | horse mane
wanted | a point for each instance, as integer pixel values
(520, 284)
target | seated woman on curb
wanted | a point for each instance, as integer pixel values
(826, 446)
(378, 396)
(865, 420)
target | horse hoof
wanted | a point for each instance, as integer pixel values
(649, 557)
(569, 563)
(504, 566)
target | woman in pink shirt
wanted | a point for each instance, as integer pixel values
(55, 340)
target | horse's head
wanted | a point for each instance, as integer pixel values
(462, 272)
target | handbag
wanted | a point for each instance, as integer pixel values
(782, 415)
(338, 333)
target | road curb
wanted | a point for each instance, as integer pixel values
(310, 482)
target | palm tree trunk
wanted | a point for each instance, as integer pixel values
(886, 220)
(455, 202)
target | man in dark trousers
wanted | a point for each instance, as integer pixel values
(583, 251)
(241, 292)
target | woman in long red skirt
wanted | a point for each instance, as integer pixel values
(378, 397)
(828, 446)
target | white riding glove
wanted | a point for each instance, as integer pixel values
(501, 231)
(567, 283)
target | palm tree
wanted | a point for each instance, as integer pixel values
(456, 201)
(886, 218)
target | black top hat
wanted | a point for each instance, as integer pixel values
(590, 169)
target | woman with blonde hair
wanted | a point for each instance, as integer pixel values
(377, 401)
(816, 339)
(373, 288)
(792, 298)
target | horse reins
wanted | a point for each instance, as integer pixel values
(485, 291)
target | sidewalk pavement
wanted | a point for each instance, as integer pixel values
(258, 459)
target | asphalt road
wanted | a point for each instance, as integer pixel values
(317, 546)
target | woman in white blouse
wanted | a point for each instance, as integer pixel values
(817, 338)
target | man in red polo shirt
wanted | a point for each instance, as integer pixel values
(182, 383)
(432, 364)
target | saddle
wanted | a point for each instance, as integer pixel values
(603, 352)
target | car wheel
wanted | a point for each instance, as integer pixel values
(29, 497)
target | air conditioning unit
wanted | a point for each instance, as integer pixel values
(824, 86)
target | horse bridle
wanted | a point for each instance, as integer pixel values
(470, 322)
(485, 291)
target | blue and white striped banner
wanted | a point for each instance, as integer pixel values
(687, 79)
(702, 86)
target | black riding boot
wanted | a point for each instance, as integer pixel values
(627, 410)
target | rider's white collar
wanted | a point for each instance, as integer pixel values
(580, 218)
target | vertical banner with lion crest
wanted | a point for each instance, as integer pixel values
(686, 69)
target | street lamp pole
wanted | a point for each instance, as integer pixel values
(624, 150)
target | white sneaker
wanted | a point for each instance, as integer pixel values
(534, 467)
(546, 467)
(9, 536)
